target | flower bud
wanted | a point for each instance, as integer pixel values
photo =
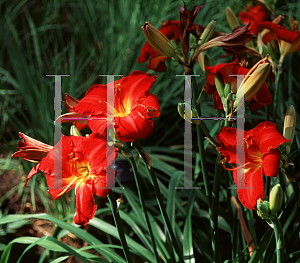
(231, 18)
(289, 124)
(275, 199)
(263, 209)
(158, 41)
(74, 131)
(208, 32)
(204, 61)
(219, 83)
(181, 111)
(289, 127)
(254, 79)
(227, 89)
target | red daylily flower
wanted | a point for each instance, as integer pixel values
(261, 157)
(254, 15)
(84, 167)
(262, 98)
(288, 41)
(171, 29)
(133, 111)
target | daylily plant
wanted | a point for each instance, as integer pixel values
(261, 158)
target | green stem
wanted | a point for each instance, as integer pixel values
(142, 200)
(200, 140)
(160, 201)
(214, 211)
(113, 205)
(277, 75)
(279, 240)
(203, 128)
(227, 123)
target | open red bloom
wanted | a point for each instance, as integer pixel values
(84, 167)
(133, 110)
(288, 41)
(262, 98)
(261, 157)
(171, 29)
(255, 15)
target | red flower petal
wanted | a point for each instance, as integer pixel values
(217, 101)
(267, 137)
(280, 32)
(85, 204)
(70, 102)
(94, 102)
(97, 125)
(30, 155)
(81, 126)
(171, 29)
(262, 98)
(35, 170)
(270, 164)
(147, 52)
(227, 143)
(249, 197)
(157, 63)
(134, 89)
(151, 103)
(254, 15)
(138, 124)
(103, 182)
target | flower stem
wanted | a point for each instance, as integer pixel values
(200, 140)
(159, 200)
(277, 75)
(142, 200)
(214, 211)
(278, 239)
(112, 201)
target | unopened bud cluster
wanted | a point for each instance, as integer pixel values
(268, 209)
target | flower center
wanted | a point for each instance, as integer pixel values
(77, 169)
(122, 106)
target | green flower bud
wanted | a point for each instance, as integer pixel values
(181, 111)
(275, 199)
(208, 32)
(263, 209)
(219, 82)
(204, 61)
(227, 89)
(74, 131)
(231, 18)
